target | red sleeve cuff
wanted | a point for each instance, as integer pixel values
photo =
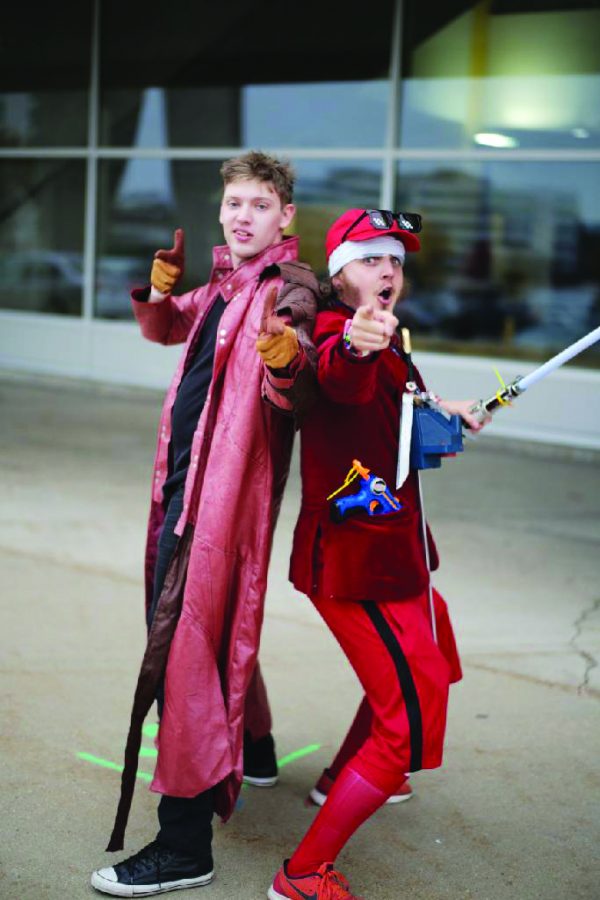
(347, 353)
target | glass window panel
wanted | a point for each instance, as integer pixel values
(45, 74)
(236, 83)
(41, 235)
(324, 190)
(509, 259)
(497, 75)
(141, 203)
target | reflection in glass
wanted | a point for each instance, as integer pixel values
(509, 255)
(175, 117)
(44, 119)
(334, 114)
(326, 114)
(45, 74)
(41, 235)
(324, 190)
(455, 112)
(521, 80)
(141, 203)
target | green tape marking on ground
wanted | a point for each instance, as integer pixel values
(150, 752)
(298, 754)
(150, 729)
(107, 764)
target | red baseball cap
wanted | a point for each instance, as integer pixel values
(363, 224)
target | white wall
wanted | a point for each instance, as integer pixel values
(563, 409)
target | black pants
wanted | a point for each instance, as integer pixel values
(185, 823)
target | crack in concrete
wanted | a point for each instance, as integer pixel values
(589, 659)
(530, 679)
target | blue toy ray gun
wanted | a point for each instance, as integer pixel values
(373, 496)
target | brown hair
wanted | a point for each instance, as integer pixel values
(255, 164)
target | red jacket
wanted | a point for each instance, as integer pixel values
(211, 606)
(356, 417)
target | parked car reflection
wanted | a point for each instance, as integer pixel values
(47, 281)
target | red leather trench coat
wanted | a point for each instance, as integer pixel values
(239, 464)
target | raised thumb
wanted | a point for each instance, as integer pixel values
(269, 322)
(365, 312)
(174, 256)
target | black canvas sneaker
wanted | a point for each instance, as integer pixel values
(154, 870)
(260, 762)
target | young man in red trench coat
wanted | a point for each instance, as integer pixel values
(222, 458)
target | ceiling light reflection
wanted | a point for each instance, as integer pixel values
(493, 139)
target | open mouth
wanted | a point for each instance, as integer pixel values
(242, 235)
(385, 296)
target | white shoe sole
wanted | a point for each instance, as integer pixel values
(319, 799)
(116, 889)
(273, 895)
(398, 798)
(261, 782)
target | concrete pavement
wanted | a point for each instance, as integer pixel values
(514, 812)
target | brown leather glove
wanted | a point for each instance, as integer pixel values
(168, 265)
(277, 342)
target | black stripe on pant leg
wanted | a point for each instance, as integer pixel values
(407, 684)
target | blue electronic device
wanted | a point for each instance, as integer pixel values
(434, 435)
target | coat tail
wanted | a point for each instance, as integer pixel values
(153, 667)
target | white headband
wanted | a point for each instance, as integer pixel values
(350, 250)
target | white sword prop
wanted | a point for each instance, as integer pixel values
(503, 397)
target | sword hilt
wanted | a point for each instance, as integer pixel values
(503, 397)
(407, 347)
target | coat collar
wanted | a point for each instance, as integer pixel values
(231, 281)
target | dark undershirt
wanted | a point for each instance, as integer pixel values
(190, 399)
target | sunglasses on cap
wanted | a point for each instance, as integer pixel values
(383, 220)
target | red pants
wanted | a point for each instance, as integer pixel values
(405, 677)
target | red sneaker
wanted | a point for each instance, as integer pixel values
(318, 795)
(324, 884)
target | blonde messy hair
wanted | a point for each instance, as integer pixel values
(255, 164)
